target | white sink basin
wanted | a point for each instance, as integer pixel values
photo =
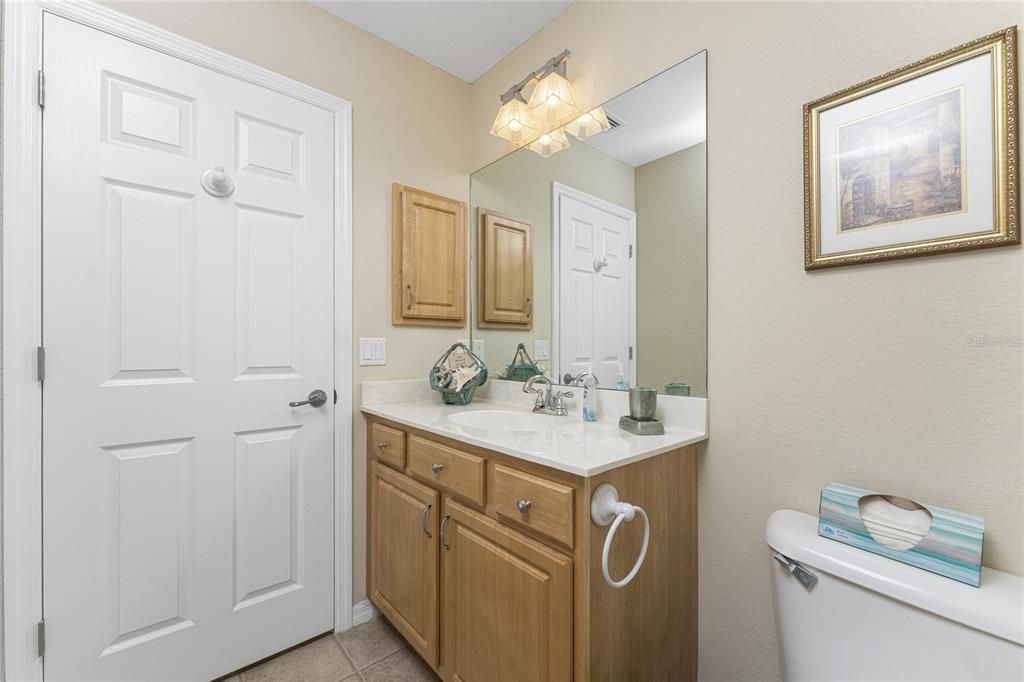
(506, 420)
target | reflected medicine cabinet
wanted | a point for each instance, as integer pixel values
(505, 272)
(428, 259)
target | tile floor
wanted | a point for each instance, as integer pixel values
(371, 652)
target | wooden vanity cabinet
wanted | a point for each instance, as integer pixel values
(428, 259)
(507, 603)
(490, 590)
(404, 543)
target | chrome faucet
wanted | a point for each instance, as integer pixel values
(549, 401)
(580, 379)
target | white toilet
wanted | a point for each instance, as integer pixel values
(845, 614)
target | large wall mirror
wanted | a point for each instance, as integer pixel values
(594, 259)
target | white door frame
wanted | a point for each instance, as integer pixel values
(22, 302)
(558, 190)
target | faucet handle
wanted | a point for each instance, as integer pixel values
(558, 401)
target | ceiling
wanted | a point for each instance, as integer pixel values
(465, 38)
(660, 116)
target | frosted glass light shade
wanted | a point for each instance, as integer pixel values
(553, 101)
(514, 122)
(590, 123)
(550, 143)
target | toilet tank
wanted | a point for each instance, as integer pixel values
(872, 618)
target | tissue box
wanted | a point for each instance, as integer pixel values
(951, 547)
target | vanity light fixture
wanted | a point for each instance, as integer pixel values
(550, 105)
(590, 123)
(514, 121)
(550, 143)
(553, 102)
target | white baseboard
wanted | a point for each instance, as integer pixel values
(362, 612)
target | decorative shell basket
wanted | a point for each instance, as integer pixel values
(457, 375)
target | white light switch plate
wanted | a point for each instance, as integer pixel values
(478, 348)
(373, 351)
(541, 350)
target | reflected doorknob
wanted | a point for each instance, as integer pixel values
(316, 398)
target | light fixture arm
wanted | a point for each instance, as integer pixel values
(554, 65)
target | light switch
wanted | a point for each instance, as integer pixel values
(372, 351)
(478, 348)
(541, 350)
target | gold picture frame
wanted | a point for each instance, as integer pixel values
(908, 174)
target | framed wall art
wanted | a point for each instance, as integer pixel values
(918, 161)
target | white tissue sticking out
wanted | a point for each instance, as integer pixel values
(894, 522)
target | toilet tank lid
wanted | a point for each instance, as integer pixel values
(997, 607)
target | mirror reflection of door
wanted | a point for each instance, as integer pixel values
(596, 285)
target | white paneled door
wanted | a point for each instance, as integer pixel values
(597, 286)
(188, 509)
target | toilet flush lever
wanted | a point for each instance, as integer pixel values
(806, 578)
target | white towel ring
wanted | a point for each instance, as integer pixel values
(606, 508)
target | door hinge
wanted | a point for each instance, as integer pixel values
(631, 352)
(41, 80)
(41, 637)
(630, 250)
(40, 364)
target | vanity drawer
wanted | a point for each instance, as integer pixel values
(459, 472)
(388, 445)
(534, 502)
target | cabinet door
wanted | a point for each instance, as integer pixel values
(404, 556)
(428, 259)
(508, 601)
(506, 271)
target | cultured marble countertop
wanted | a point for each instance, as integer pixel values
(573, 445)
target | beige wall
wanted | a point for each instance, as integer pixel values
(671, 266)
(519, 186)
(409, 126)
(864, 374)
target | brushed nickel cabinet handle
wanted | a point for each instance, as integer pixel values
(437, 468)
(524, 506)
(529, 307)
(444, 538)
(382, 444)
(423, 519)
(408, 288)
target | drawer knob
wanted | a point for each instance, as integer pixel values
(436, 468)
(523, 506)
(382, 444)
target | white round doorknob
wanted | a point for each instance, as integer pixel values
(217, 183)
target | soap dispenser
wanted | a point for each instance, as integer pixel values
(620, 380)
(589, 382)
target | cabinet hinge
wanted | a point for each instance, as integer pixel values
(41, 638)
(41, 80)
(40, 364)
(335, 396)
(630, 250)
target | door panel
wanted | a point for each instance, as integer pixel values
(403, 547)
(597, 289)
(507, 604)
(188, 510)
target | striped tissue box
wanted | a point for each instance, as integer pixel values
(951, 547)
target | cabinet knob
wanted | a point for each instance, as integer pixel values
(382, 444)
(436, 468)
(524, 506)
